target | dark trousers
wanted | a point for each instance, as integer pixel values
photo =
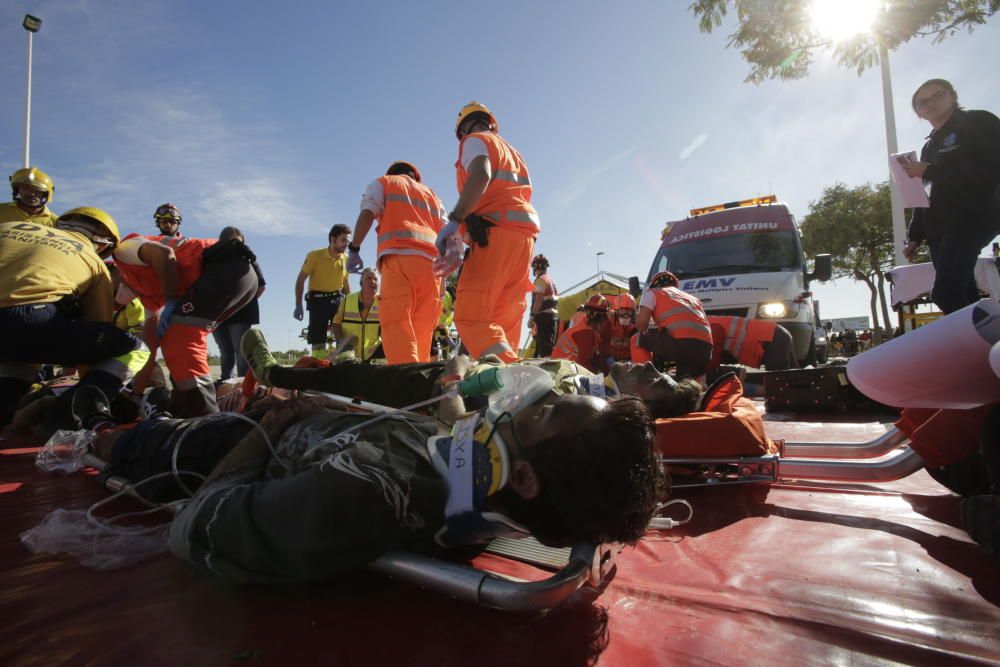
(545, 333)
(227, 336)
(40, 333)
(779, 353)
(954, 256)
(691, 356)
(321, 311)
(394, 386)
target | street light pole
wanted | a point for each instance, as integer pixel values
(598, 255)
(31, 24)
(898, 223)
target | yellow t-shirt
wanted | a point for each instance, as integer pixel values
(42, 264)
(326, 274)
(11, 212)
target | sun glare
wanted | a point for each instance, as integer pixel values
(838, 20)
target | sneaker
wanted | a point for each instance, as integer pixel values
(90, 408)
(154, 403)
(253, 347)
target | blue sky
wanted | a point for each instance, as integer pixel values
(273, 118)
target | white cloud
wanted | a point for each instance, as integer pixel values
(258, 207)
(693, 146)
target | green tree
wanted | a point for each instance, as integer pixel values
(854, 225)
(777, 39)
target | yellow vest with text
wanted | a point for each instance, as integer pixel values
(365, 327)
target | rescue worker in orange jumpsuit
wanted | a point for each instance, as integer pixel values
(167, 219)
(757, 342)
(672, 327)
(186, 286)
(581, 343)
(410, 216)
(616, 343)
(494, 213)
(543, 316)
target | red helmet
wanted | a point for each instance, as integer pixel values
(540, 261)
(597, 303)
(625, 302)
(664, 279)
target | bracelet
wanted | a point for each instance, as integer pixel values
(353, 248)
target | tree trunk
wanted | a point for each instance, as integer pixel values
(873, 299)
(885, 307)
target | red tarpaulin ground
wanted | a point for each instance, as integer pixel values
(794, 574)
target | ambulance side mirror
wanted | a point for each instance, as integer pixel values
(823, 269)
(634, 288)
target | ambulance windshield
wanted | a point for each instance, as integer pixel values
(737, 253)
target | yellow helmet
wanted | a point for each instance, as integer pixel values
(471, 108)
(35, 178)
(403, 167)
(96, 215)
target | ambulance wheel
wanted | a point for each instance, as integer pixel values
(810, 359)
(967, 478)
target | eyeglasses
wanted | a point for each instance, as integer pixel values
(926, 101)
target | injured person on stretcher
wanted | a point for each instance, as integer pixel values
(404, 384)
(317, 490)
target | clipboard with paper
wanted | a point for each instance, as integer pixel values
(911, 188)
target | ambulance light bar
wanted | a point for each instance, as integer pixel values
(756, 201)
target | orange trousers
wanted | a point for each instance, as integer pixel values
(185, 352)
(409, 305)
(492, 294)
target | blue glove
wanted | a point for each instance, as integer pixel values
(298, 312)
(354, 262)
(444, 235)
(164, 322)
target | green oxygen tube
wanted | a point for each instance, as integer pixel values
(482, 383)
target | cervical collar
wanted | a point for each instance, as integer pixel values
(475, 467)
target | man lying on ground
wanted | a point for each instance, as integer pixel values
(405, 384)
(345, 487)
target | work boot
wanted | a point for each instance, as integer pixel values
(981, 520)
(253, 347)
(91, 408)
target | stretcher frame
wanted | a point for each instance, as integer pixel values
(588, 564)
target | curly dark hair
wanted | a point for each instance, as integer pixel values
(600, 485)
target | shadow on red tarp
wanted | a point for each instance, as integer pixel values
(788, 575)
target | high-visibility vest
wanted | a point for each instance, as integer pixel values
(507, 200)
(130, 317)
(142, 279)
(619, 344)
(411, 219)
(447, 316)
(568, 345)
(745, 337)
(365, 327)
(680, 314)
(548, 297)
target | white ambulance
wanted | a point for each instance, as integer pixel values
(745, 259)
